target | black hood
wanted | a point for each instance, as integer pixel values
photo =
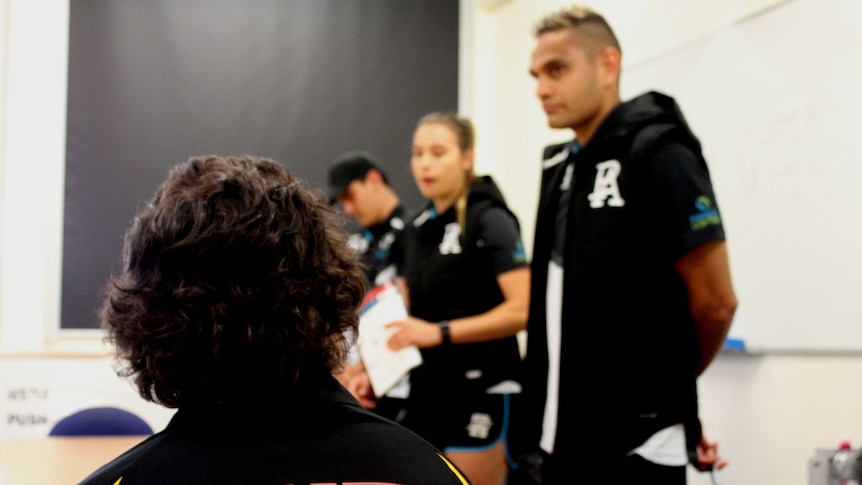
(483, 193)
(651, 108)
(484, 189)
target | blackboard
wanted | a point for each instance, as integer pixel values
(776, 101)
(153, 82)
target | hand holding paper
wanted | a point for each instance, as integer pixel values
(385, 367)
(413, 331)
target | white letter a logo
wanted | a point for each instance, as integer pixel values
(606, 188)
(450, 244)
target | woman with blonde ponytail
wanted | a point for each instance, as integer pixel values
(465, 279)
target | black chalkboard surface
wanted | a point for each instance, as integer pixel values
(153, 82)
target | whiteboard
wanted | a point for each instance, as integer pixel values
(776, 101)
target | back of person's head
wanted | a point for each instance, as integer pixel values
(237, 283)
(583, 20)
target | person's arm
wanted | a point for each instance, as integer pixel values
(706, 273)
(504, 320)
(355, 380)
(405, 293)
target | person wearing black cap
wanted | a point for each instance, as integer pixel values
(358, 184)
(361, 188)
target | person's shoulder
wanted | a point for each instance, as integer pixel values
(672, 146)
(655, 122)
(112, 472)
(398, 219)
(109, 474)
(410, 453)
(496, 215)
(551, 151)
(554, 156)
(662, 144)
(671, 151)
(398, 452)
(418, 217)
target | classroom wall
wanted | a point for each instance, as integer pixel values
(769, 412)
(31, 159)
(36, 392)
(151, 82)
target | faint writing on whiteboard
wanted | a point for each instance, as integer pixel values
(791, 150)
(26, 419)
(27, 394)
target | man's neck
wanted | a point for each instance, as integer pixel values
(586, 132)
(389, 202)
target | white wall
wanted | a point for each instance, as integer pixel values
(769, 412)
(510, 123)
(32, 166)
(37, 392)
(43, 376)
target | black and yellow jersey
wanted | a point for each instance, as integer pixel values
(321, 437)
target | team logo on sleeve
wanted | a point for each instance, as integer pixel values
(450, 243)
(706, 215)
(606, 190)
(518, 254)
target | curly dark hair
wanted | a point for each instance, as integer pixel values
(237, 282)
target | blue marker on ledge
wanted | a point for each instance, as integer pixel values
(734, 345)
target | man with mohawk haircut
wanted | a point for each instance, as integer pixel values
(632, 296)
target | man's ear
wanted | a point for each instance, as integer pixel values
(374, 176)
(610, 60)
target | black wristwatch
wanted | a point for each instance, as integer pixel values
(445, 332)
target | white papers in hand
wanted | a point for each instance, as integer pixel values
(384, 367)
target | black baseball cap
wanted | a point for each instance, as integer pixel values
(347, 167)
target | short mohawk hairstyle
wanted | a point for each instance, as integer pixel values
(582, 19)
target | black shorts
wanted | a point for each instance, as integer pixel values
(475, 423)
